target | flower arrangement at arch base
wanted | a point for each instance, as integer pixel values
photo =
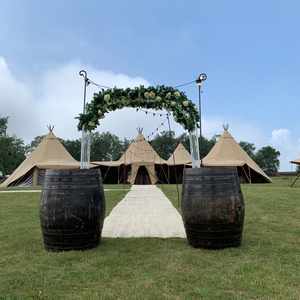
(161, 97)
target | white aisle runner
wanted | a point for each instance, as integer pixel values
(144, 212)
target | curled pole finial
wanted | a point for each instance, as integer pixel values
(202, 77)
(83, 73)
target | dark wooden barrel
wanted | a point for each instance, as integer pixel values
(212, 207)
(72, 209)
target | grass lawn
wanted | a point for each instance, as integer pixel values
(266, 266)
(38, 188)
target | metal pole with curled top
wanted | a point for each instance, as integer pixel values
(201, 78)
(85, 138)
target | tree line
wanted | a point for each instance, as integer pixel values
(107, 146)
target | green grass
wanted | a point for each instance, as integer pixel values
(38, 188)
(285, 181)
(17, 188)
(266, 266)
(117, 186)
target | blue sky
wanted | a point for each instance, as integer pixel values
(249, 50)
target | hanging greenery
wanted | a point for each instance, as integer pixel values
(160, 97)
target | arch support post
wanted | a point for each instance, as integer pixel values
(195, 140)
(86, 136)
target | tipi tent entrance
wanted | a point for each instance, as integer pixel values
(142, 176)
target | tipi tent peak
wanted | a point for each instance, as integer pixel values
(50, 128)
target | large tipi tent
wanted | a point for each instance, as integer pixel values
(177, 162)
(49, 154)
(140, 164)
(180, 156)
(228, 153)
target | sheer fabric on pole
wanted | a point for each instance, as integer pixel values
(85, 149)
(194, 146)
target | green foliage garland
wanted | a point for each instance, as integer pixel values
(160, 97)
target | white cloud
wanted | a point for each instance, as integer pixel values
(288, 146)
(241, 130)
(56, 98)
(15, 100)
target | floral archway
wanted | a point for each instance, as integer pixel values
(184, 112)
(160, 97)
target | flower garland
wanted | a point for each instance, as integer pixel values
(184, 111)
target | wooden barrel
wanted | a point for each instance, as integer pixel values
(212, 207)
(72, 209)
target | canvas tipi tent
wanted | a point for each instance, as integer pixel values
(180, 156)
(228, 153)
(140, 164)
(177, 162)
(49, 154)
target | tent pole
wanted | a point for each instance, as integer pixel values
(166, 176)
(296, 179)
(174, 164)
(35, 177)
(106, 173)
(249, 180)
(250, 174)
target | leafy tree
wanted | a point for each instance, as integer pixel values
(34, 143)
(12, 153)
(105, 146)
(12, 149)
(164, 144)
(184, 139)
(205, 144)
(73, 147)
(125, 144)
(249, 148)
(268, 159)
(3, 125)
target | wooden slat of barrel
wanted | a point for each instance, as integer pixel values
(212, 207)
(72, 209)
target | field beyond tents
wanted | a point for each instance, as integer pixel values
(266, 266)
